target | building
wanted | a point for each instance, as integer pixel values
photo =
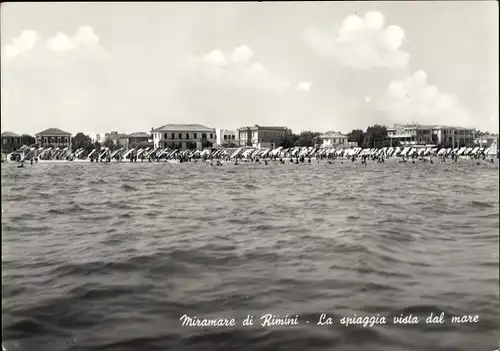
(53, 137)
(226, 137)
(453, 136)
(139, 139)
(485, 140)
(414, 134)
(184, 136)
(410, 134)
(334, 139)
(10, 141)
(118, 139)
(262, 136)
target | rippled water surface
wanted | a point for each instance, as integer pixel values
(109, 257)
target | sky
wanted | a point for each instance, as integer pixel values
(320, 66)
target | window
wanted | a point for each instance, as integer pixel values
(187, 135)
(211, 136)
(203, 136)
(165, 136)
(225, 137)
(195, 135)
(233, 137)
(173, 135)
(180, 135)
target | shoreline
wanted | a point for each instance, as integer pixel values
(250, 154)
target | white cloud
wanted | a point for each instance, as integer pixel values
(83, 41)
(24, 50)
(215, 57)
(60, 42)
(306, 86)
(413, 99)
(24, 43)
(86, 37)
(242, 54)
(361, 42)
(239, 68)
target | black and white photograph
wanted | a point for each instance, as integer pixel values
(250, 176)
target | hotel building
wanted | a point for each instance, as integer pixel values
(415, 134)
(262, 136)
(53, 137)
(184, 136)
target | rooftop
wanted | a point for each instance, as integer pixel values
(140, 135)
(451, 127)
(183, 128)
(10, 135)
(53, 131)
(424, 126)
(115, 135)
(256, 127)
(332, 134)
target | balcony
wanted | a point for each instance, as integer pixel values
(399, 136)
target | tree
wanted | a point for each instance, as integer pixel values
(375, 136)
(109, 143)
(391, 143)
(27, 139)
(81, 141)
(307, 139)
(357, 136)
(290, 141)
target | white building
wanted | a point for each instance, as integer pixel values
(413, 134)
(334, 139)
(184, 136)
(225, 136)
(262, 136)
